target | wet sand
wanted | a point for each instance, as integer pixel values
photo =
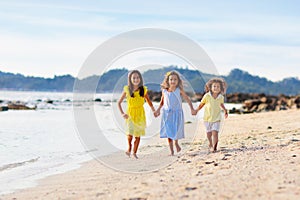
(258, 158)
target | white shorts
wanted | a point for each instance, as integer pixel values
(212, 126)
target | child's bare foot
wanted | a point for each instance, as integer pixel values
(172, 153)
(178, 148)
(127, 153)
(215, 150)
(215, 147)
(134, 155)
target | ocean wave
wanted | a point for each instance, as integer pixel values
(18, 164)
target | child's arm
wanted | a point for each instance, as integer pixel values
(124, 115)
(225, 110)
(157, 112)
(149, 102)
(202, 103)
(200, 106)
(188, 100)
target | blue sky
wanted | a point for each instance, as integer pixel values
(47, 38)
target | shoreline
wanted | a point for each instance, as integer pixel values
(250, 102)
(258, 157)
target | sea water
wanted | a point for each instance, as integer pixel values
(45, 141)
(41, 142)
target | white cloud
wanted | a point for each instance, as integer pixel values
(273, 62)
(54, 37)
(45, 57)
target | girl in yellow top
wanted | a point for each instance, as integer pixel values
(213, 101)
(136, 94)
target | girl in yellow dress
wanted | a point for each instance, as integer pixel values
(136, 94)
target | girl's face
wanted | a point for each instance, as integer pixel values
(135, 79)
(173, 81)
(216, 88)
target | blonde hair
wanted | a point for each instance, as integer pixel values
(221, 81)
(165, 83)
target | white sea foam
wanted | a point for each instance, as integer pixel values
(42, 142)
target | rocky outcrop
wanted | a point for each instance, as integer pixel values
(261, 102)
(256, 102)
(19, 106)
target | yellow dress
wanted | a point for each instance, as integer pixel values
(136, 123)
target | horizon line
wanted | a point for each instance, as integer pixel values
(170, 66)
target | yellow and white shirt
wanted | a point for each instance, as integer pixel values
(212, 112)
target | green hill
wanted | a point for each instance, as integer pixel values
(114, 80)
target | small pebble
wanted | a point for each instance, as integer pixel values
(190, 188)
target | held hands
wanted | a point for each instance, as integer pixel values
(156, 113)
(194, 112)
(125, 116)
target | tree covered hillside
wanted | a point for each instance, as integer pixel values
(114, 80)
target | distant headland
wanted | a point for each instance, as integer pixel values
(238, 82)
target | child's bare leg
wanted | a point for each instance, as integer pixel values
(178, 148)
(209, 134)
(136, 146)
(215, 140)
(171, 146)
(129, 140)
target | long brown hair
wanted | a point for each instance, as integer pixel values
(141, 84)
(165, 83)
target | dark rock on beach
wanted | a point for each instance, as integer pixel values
(19, 106)
(98, 100)
(3, 108)
(251, 102)
(270, 103)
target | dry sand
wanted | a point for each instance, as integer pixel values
(258, 158)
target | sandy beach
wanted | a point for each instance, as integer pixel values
(258, 158)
